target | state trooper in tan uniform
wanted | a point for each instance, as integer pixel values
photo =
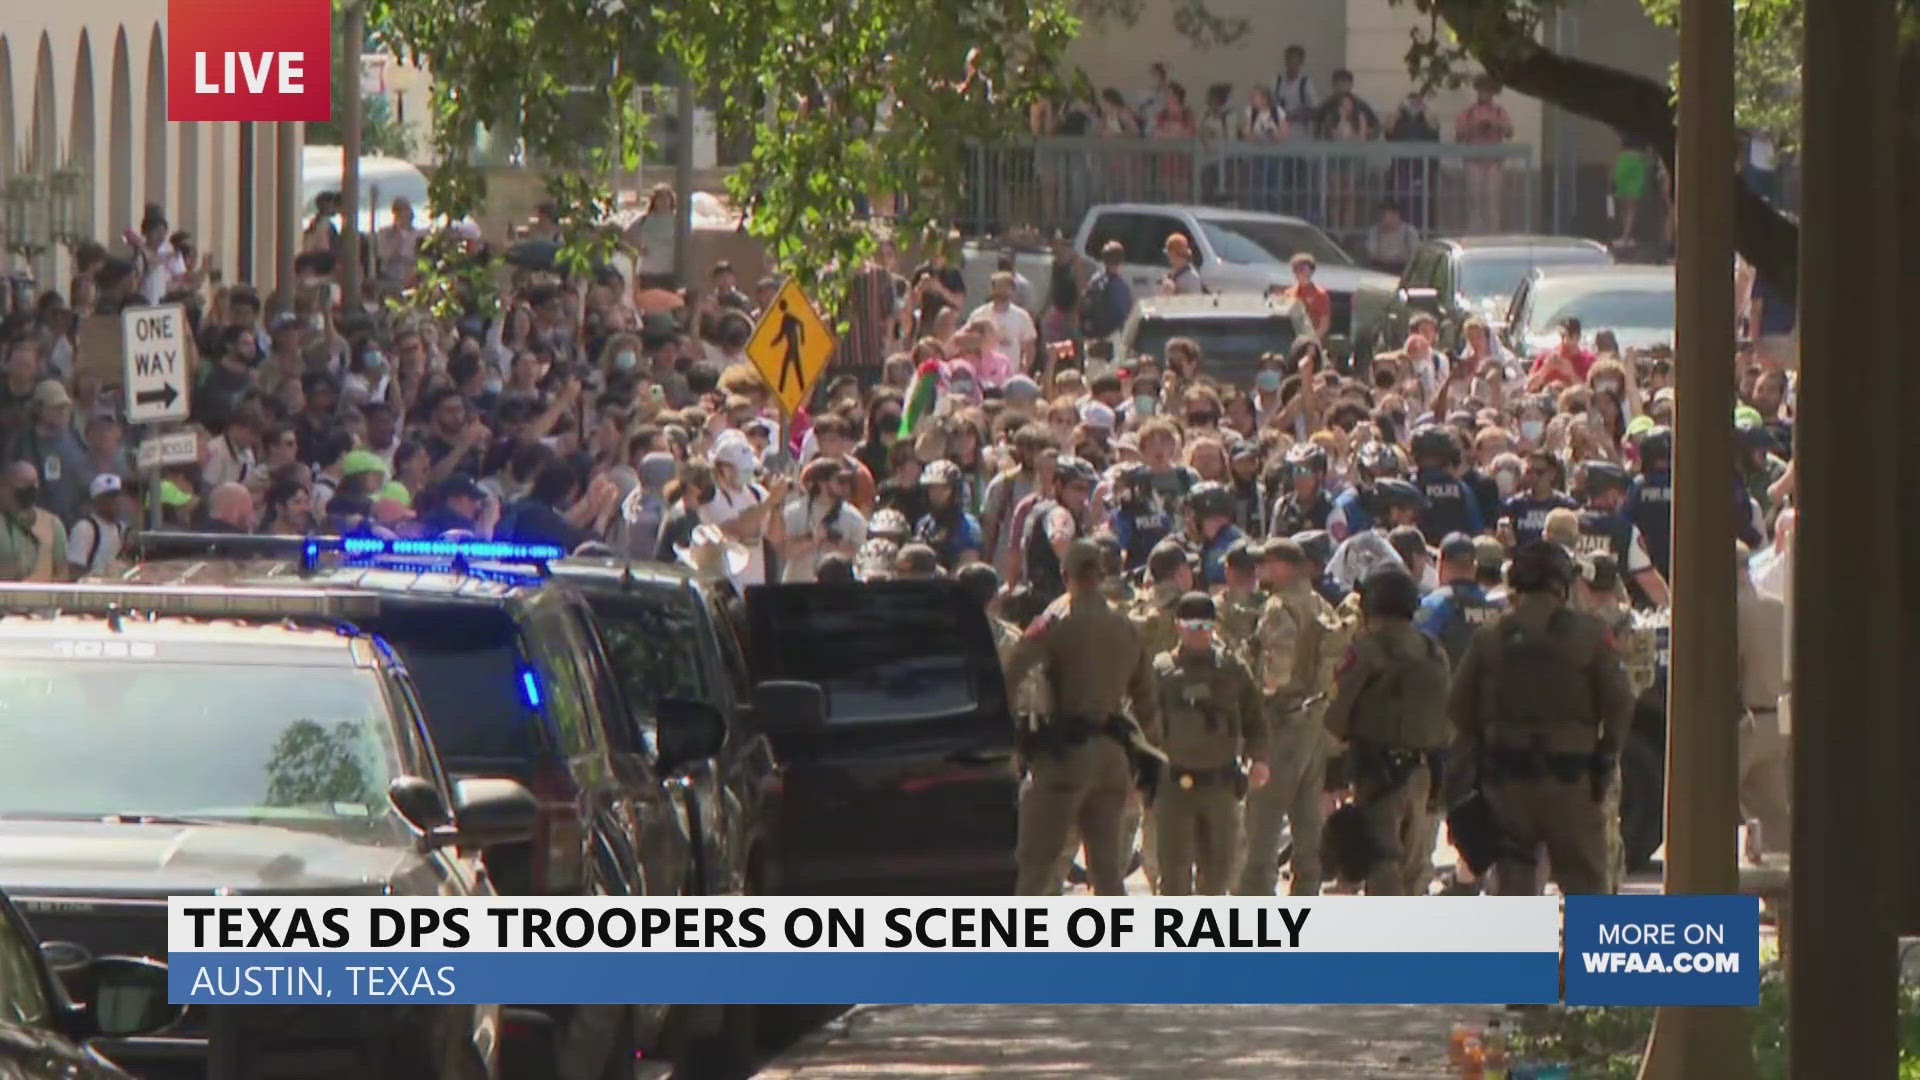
(1169, 576)
(1389, 705)
(1209, 721)
(1082, 755)
(1600, 592)
(1540, 707)
(1292, 676)
(1239, 601)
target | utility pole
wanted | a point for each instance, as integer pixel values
(350, 164)
(287, 140)
(1703, 704)
(683, 177)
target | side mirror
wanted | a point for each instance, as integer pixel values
(419, 803)
(689, 731)
(489, 811)
(789, 708)
(130, 996)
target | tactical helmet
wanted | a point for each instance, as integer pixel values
(1309, 456)
(1210, 498)
(1195, 605)
(1376, 460)
(1603, 476)
(1433, 441)
(1656, 445)
(1538, 565)
(1316, 545)
(1390, 591)
(940, 472)
(889, 524)
(1243, 554)
(1393, 491)
(875, 559)
(1137, 475)
(1074, 470)
(1348, 846)
(1242, 448)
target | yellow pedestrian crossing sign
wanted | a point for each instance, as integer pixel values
(791, 346)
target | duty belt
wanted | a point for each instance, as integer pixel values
(1188, 779)
(1064, 733)
(1536, 764)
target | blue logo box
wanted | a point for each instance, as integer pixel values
(1662, 950)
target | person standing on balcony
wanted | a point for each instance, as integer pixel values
(1484, 123)
(1293, 90)
(1262, 121)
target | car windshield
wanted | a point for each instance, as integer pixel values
(1258, 242)
(303, 746)
(1485, 275)
(881, 654)
(1229, 347)
(1649, 307)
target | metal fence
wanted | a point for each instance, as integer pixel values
(1442, 188)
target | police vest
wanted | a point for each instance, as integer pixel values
(1404, 705)
(1530, 514)
(1043, 571)
(1450, 507)
(1290, 517)
(1213, 556)
(1466, 609)
(1144, 525)
(1604, 532)
(1650, 508)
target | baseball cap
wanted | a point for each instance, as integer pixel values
(459, 485)
(172, 494)
(1639, 424)
(737, 452)
(1097, 414)
(1665, 393)
(361, 461)
(1488, 554)
(1020, 388)
(104, 484)
(53, 393)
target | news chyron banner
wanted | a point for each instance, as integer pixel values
(964, 950)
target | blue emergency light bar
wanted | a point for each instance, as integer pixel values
(472, 550)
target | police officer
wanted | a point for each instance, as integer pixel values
(1394, 503)
(1139, 520)
(1210, 512)
(1292, 671)
(1209, 720)
(1052, 526)
(1649, 502)
(1524, 515)
(1029, 701)
(1599, 592)
(1452, 612)
(1353, 511)
(1390, 705)
(1081, 757)
(1239, 602)
(1317, 545)
(1540, 707)
(1169, 577)
(1450, 505)
(1603, 528)
(1305, 504)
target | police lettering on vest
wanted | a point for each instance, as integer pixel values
(1530, 514)
(1450, 508)
(1650, 507)
(1452, 613)
(1601, 532)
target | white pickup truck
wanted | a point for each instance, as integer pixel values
(1238, 252)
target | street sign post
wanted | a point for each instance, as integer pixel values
(157, 344)
(178, 448)
(790, 347)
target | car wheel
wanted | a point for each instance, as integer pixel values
(1643, 786)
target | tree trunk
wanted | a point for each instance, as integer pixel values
(1637, 107)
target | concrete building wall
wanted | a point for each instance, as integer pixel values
(1117, 55)
(83, 85)
(1378, 36)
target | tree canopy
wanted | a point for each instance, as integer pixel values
(844, 98)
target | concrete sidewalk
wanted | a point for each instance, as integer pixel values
(1176, 1042)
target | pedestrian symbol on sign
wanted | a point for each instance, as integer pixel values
(790, 347)
(793, 334)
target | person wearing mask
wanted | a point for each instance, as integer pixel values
(823, 522)
(1008, 489)
(33, 542)
(94, 542)
(745, 512)
(56, 452)
(1138, 520)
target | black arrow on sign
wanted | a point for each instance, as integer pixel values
(165, 396)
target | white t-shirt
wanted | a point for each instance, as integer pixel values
(227, 463)
(93, 544)
(158, 269)
(726, 506)
(803, 518)
(1016, 330)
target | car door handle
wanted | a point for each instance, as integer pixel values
(980, 756)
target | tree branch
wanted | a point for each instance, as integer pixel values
(1637, 107)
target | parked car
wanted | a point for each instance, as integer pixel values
(175, 741)
(44, 1035)
(1233, 332)
(514, 681)
(1236, 251)
(1457, 279)
(1635, 302)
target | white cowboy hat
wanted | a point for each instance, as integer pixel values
(709, 552)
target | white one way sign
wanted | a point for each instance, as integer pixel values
(157, 351)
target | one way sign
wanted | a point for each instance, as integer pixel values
(159, 354)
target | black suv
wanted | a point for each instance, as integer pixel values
(515, 681)
(41, 1029)
(167, 741)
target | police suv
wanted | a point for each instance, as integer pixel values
(187, 740)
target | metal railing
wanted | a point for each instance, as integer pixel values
(1443, 189)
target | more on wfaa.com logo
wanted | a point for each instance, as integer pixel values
(249, 60)
(1662, 950)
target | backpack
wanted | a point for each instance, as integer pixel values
(1407, 707)
(1538, 687)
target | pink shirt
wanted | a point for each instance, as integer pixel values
(994, 368)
